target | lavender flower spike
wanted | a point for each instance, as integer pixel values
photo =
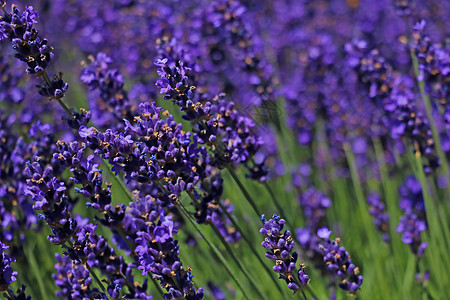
(280, 246)
(17, 27)
(339, 263)
(7, 275)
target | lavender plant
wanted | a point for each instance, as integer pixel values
(187, 121)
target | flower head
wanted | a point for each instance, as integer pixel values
(280, 245)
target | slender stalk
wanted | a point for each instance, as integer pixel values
(157, 286)
(30, 256)
(245, 192)
(120, 183)
(391, 204)
(362, 204)
(303, 293)
(238, 262)
(96, 279)
(11, 295)
(66, 109)
(231, 252)
(214, 249)
(46, 78)
(274, 200)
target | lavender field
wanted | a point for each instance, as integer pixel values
(224, 149)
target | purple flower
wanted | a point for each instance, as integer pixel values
(379, 214)
(7, 275)
(338, 262)
(19, 295)
(323, 233)
(280, 245)
(217, 293)
(74, 280)
(17, 26)
(314, 204)
(414, 221)
(158, 251)
(108, 101)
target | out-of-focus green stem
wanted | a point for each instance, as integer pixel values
(238, 262)
(274, 200)
(97, 279)
(362, 204)
(214, 249)
(118, 181)
(245, 192)
(231, 252)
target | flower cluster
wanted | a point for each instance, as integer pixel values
(380, 216)
(280, 245)
(108, 101)
(217, 123)
(74, 280)
(361, 86)
(414, 220)
(7, 275)
(17, 26)
(211, 207)
(433, 63)
(157, 250)
(86, 173)
(395, 92)
(338, 262)
(314, 204)
(229, 34)
(50, 196)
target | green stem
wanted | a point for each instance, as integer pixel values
(214, 249)
(303, 293)
(157, 286)
(310, 291)
(66, 109)
(237, 261)
(11, 295)
(231, 252)
(245, 192)
(34, 266)
(97, 279)
(274, 200)
(362, 204)
(120, 183)
(391, 204)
